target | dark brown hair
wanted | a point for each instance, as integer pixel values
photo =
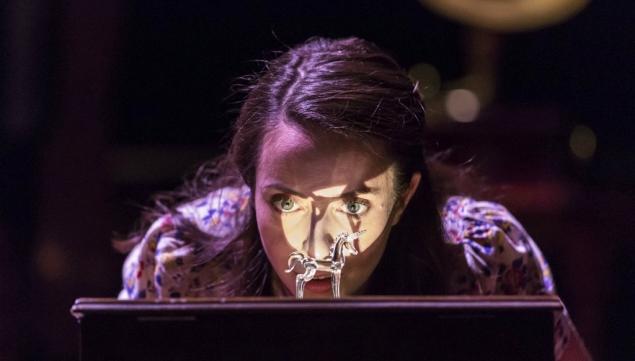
(351, 88)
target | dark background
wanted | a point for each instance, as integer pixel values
(104, 103)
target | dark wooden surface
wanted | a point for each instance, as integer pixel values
(368, 328)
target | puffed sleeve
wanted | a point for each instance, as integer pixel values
(493, 254)
(500, 256)
(165, 263)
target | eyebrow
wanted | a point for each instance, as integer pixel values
(363, 189)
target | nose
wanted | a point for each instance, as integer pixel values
(320, 239)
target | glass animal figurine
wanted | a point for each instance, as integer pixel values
(342, 247)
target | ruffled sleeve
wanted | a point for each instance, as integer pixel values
(495, 253)
(164, 263)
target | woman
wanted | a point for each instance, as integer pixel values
(329, 139)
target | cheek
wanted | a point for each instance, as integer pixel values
(295, 228)
(269, 227)
(374, 223)
(279, 233)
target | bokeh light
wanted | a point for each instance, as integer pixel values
(51, 261)
(583, 142)
(507, 16)
(462, 105)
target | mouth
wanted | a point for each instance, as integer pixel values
(319, 285)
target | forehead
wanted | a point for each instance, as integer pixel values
(311, 160)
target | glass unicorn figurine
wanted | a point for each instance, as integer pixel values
(342, 247)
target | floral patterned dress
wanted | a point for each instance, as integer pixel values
(493, 254)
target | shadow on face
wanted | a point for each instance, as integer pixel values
(311, 186)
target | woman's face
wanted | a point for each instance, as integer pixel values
(312, 187)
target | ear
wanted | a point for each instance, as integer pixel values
(404, 198)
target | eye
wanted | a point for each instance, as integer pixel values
(355, 207)
(285, 204)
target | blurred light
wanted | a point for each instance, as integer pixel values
(51, 261)
(428, 78)
(583, 142)
(462, 105)
(507, 16)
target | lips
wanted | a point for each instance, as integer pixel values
(319, 285)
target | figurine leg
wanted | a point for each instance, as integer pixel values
(299, 286)
(335, 282)
(302, 279)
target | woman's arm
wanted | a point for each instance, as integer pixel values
(174, 257)
(495, 255)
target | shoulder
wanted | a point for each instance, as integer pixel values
(495, 254)
(466, 218)
(221, 213)
(176, 245)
